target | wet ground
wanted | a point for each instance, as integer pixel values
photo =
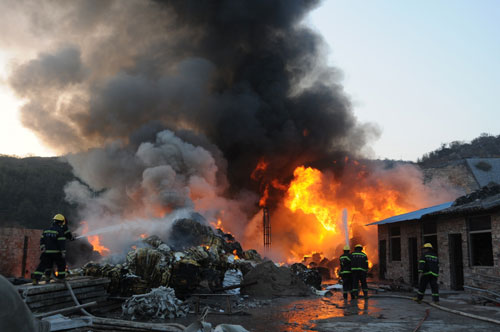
(371, 315)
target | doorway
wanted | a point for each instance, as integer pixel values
(413, 260)
(456, 262)
(382, 256)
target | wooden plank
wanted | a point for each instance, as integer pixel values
(99, 327)
(138, 325)
(50, 301)
(32, 290)
(67, 304)
(64, 293)
(66, 310)
(60, 323)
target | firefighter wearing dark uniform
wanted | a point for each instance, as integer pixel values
(428, 266)
(345, 271)
(53, 247)
(359, 268)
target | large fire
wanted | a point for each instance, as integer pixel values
(308, 218)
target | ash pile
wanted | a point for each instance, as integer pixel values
(195, 259)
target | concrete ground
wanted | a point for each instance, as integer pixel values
(371, 315)
(378, 313)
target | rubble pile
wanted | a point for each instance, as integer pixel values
(484, 192)
(323, 265)
(310, 277)
(159, 303)
(274, 281)
(196, 259)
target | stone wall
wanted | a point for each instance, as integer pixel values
(12, 248)
(445, 226)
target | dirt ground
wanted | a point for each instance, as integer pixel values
(371, 315)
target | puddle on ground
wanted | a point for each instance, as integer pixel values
(301, 315)
(294, 314)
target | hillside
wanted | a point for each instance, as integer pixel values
(484, 146)
(31, 190)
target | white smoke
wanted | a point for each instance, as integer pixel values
(123, 193)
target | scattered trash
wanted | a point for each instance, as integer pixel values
(232, 277)
(334, 287)
(326, 293)
(159, 303)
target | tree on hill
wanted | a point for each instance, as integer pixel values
(484, 146)
(31, 190)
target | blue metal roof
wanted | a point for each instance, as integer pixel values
(415, 215)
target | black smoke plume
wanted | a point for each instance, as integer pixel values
(247, 75)
(169, 105)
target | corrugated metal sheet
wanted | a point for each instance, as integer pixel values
(485, 177)
(415, 215)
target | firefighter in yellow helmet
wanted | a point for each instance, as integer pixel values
(359, 269)
(428, 266)
(53, 247)
(345, 271)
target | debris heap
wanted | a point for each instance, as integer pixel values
(197, 259)
(159, 303)
(274, 281)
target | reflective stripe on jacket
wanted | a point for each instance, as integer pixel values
(429, 264)
(345, 263)
(53, 239)
(359, 261)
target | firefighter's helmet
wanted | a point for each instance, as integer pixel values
(358, 246)
(59, 218)
(346, 247)
(428, 245)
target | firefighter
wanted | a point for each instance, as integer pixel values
(359, 268)
(428, 266)
(345, 271)
(53, 247)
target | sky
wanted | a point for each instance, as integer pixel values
(425, 72)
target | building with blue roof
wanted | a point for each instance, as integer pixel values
(465, 233)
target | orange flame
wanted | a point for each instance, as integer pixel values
(304, 194)
(94, 240)
(143, 235)
(265, 196)
(96, 243)
(312, 211)
(236, 257)
(218, 225)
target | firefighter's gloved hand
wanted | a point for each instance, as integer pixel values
(42, 247)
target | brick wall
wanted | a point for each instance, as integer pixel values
(400, 269)
(445, 226)
(12, 248)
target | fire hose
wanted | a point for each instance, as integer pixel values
(169, 327)
(461, 313)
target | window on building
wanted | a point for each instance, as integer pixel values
(429, 231)
(481, 248)
(395, 233)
